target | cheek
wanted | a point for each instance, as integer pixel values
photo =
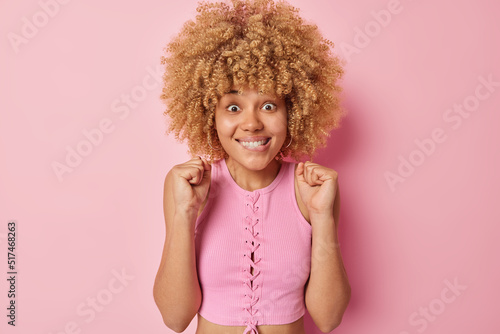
(223, 126)
(280, 126)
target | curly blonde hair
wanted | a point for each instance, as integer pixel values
(264, 45)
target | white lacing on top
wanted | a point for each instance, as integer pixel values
(252, 244)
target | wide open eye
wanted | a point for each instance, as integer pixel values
(269, 106)
(233, 108)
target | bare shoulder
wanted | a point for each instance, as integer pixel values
(300, 203)
(204, 203)
(168, 204)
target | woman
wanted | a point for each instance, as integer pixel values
(251, 240)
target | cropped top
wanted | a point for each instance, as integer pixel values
(253, 252)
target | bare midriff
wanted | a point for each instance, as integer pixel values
(207, 327)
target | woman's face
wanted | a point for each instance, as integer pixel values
(251, 127)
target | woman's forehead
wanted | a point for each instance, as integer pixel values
(245, 90)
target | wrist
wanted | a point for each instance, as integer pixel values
(323, 224)
(321, 215)
(189, 214)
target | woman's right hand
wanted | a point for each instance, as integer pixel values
(189, 184)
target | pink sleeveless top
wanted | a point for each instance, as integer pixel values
(263, 230)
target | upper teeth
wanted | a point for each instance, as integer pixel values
(252, 143)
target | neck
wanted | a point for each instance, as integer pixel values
(251, 180)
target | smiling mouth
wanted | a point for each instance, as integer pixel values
(253, 144)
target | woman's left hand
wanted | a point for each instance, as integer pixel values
(317, 187)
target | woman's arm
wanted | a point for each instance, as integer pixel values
(176, 289)
(327, 291)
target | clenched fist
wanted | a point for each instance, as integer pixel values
(317, 187)
(189, 183)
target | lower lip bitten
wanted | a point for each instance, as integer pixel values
(260, 145)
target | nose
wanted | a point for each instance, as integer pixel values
(251, 121)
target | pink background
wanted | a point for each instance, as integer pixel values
(402, 245)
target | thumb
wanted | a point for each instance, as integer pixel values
(206, 165)
(299, 171)
(207, 169)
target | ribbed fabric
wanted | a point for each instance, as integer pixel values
(264, 231)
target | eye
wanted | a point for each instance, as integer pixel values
(269, 106)
(233, 108)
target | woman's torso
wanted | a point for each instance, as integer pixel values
(207, 327)
(296, 327)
